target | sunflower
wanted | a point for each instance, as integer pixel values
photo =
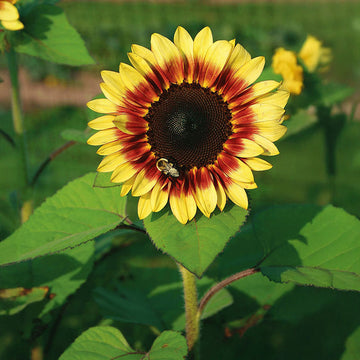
(185, 123)
(9, 15)
(285, 63)
(314, 55)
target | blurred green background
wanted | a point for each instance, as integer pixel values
(109, 28)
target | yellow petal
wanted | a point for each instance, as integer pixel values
(141, 65)
(279, 98)
(12, 25)
(269, 148)
(159, 197)
(237, 195)
(102, 122)
(127, 185)
(123, 172)
(267, 112)
(144, 52)
(103, 137)
(104, 106)
(271, 132)
(168, 57)
(205, 192)
(261, 88)
(245, 185)
(113, 80)
(185, 44)
(247, 148)
(190, 205)
(242, 173)
(110, 148)
(215, 60)
(178, 208)
(111, 162)
(221, 196)
(202, 42)
(110, 94)
(8, 12)
(251, 70)
(144, 206)
(257, 164)
(130, 125)
(130, 76)
(143, 184)
(238, 57)
(120, 122)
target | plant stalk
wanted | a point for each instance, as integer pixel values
(191, 306)
(19, 128)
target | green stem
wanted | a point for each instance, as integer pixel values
(17, 114)
(191, 306)
(19, 128)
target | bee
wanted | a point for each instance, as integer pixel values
(167, 167)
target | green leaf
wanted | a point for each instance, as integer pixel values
(302, 244)
(61, 273)
(323, 252)
(75, 135)
(127, 305)
(300, 121)
(105, 342)
(100, 343)
(352, 346)
(196, 244)
(159, 302)
(268, 74)
(168, 345)
(75, 214)
(48, 35)
(333, 93)
(14, 300)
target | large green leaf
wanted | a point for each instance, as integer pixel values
(105, 342)
(352, 346)
(155, 297)
(61, 273)
(100, 343)
(302, 244)
(333, 93)
(48, 35)
(168, 345)
(300, 121)
(325, 252)
(127, 305)
(75, 214)
(196, 244)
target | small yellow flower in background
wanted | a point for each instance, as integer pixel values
(185, 124)
(9, 15)
(285, 64)
(313, 54)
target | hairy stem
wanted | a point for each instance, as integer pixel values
(19, 128)
(191, 306)
(17, 115)
(217, 287)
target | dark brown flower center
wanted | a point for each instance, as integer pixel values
(188, 125)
